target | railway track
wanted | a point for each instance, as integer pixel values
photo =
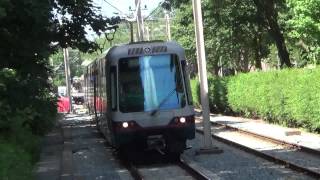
(196, 174)
(293, 156)
(274, 140)
(139, 174)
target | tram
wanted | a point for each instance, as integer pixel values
(139, 94)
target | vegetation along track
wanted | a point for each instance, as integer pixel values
(296, 157)
(138, 174)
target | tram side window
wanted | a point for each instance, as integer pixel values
(187, 82)
(113, 84)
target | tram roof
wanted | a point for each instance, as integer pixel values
(140, 48)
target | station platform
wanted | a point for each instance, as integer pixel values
(291, 135)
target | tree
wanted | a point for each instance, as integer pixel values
(270, 20)
(183, 32)
(28, 28)
(303, 27)
(31, 30)
(234, 38)
(69, 27)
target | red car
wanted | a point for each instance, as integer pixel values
(63, 104)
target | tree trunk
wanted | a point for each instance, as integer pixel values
(280, 43)
(257, 51)
(266, 7)
(245, 60)
(216, 66)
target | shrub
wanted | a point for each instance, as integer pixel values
(26, 111)
(217, 94)
(218, 102)
(15, 163)
(19, 95)
(195, 90)
(290, 97)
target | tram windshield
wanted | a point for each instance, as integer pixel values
(149, 83)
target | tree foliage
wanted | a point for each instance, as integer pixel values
(244, 35)
(269, 17)
(70, 18)
(233, 37)
(303, 29)
(30, 31)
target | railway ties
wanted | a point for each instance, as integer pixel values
(179, 169)
(194, 172)
(293, 156)
(133, 171)
(89, 151)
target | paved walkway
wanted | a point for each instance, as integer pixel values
(75, 150)
(261, 127)
(49, 165)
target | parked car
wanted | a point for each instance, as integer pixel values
(63, 104)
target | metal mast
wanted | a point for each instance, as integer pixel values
(139, 20)
(67, 74)
(201, 56)
(168, 31)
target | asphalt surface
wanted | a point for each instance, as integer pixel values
(49, 165)
(92, 158)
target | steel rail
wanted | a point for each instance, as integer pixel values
(271, 139)
(193, 172)
(265, 156)
(181, 163)
(133, 170)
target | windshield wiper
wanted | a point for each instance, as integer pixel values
(153, 112)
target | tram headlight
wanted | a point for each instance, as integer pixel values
(182, 120)
(125, 125)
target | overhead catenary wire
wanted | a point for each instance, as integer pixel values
(114, 7)
(135, 17)
(153, 11)
(122, 13)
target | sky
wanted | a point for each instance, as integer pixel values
(123, 5)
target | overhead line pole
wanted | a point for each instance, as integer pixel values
(127, 18)
(201, 56)
(139, 20)
(131, 31)
(67, 75)
(168, 31)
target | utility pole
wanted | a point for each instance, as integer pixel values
(139, 20)
(147, 33)
(168, 31)
(131, 31)
(166, 5)
(207, 143)
(67, 74)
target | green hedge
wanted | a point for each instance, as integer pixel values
(217, 94)
(218, 101)
(290, 97)
(194, 83)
